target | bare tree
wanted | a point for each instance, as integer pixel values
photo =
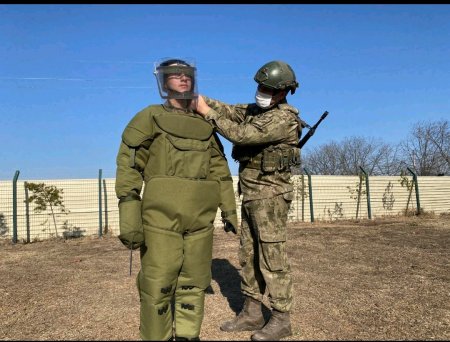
(427, 148)
(440, 137)
(345, 158)
(389, 163)
(323, 160)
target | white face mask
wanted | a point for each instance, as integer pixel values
(262, 100)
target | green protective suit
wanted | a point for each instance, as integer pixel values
(180, 161)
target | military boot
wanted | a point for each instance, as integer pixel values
(279, 326)
(250, 318)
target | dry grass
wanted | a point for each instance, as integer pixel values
(386, 279)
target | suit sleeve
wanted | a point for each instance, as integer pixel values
(131, 161)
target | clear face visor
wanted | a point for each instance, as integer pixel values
(176, 81)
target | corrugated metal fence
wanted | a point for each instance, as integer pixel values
(316, 198)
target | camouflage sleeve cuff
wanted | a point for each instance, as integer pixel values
(207, 100)
(212, 115)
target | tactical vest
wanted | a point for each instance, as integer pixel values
(267, 158)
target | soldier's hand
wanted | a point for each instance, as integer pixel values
(228, 227)
(200, 106)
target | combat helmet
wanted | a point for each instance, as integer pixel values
(277, 75)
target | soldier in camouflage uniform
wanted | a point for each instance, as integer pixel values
(265, 135)
(175, 153)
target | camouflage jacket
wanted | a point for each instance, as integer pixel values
(249, 127)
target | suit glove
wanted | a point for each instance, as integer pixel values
(130, 223)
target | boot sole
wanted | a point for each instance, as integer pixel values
(243, 329)
(279, 337)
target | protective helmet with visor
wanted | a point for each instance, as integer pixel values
(179, 69)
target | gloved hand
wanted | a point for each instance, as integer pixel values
(132, 240)
(230, 223)
(130, 224)
(228, 227)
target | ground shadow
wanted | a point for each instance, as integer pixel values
(229, 281)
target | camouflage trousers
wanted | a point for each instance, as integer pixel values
(262, 254)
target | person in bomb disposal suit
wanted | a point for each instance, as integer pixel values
(265, 135)
(176, 153)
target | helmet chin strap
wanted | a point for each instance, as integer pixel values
(278, 97)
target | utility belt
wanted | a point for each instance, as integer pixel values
(273, 159)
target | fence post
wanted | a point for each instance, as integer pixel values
(416, 187)
(16, 176)
(100, 202)
(369, 209)
(303, 198)
(311, 206)
(106, 206)
(27, 212)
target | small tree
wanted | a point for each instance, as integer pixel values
(357, 192)
(46, 196)
(300, 191)
(409, 184)
(336, 213)
(388, 197)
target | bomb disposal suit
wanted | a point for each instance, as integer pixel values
(186, 178)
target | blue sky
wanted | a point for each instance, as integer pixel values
(72, 76)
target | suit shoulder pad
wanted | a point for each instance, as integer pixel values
(138, 129)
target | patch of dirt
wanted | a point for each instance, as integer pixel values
(383, 279)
